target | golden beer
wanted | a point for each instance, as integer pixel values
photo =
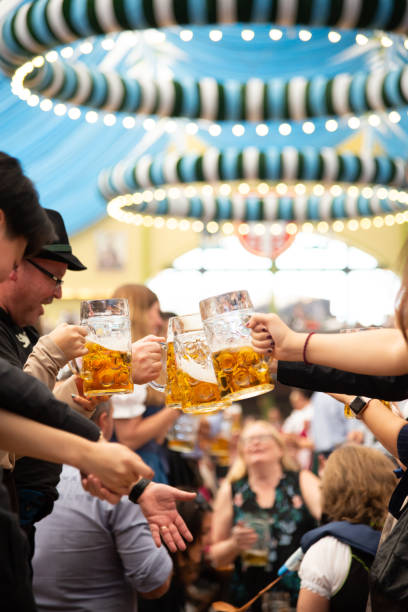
(199, 396)
(173, 391)
(180, 446)
(241, 372)
(255, 558)
(105, 371)
(220, 448)
(197, 383)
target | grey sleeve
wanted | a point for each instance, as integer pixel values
(145, 566)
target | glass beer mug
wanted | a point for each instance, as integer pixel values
(106, 368)
(182, 436)
(168, 382)
(257, 555)
(241, 371)
(196, 378)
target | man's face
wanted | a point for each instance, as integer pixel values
(32, 288)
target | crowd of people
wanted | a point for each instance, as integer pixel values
(98, 513)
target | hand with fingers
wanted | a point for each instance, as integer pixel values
(146, 359)
(93, 485)
(244, 537)
(87, 403)
(70, 339)
(271, 335)
(115, 465)
(158, 504)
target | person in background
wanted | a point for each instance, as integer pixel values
(109, 555)
(194, 583)
(141, 420)
(356, 486)
(262, 483)
(329, 427)
(165, 317)
(296, 427)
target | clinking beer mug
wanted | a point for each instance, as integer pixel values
(106, 368)
(168, 382)
(196, 378)
(187, 377)
(241, 371)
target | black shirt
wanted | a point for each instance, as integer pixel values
(16, 344)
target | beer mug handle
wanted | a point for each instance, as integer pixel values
(74, 367)
(156, 384)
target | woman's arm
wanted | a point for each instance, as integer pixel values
(312, 602)
(310, 490)
(114, 464)
(135, 432)
(384, 424)
(379, 352)
(224, 548)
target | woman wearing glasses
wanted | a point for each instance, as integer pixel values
(262, 484)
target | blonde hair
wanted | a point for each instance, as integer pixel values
(140, 299)
(357, 484)
(239, 468)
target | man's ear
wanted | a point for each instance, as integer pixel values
(102, 421)
(13, 274)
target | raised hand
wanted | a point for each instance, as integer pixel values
(70, 339)
(146, 359)
(244, 537)
(271, 335)
(158, 504)
(87, 403)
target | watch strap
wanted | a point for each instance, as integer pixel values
(138, 489)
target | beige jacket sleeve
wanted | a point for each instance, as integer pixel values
(44, 364)
(45, 361)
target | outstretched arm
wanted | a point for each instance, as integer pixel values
(322, 378)
(158, 504)
(385, 424)
(116, 466)
(381, 352)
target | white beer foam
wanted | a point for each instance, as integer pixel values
(194, 370)
(113, 343)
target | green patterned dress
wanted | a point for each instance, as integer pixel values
(288, 518)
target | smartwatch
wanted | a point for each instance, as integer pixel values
(358, 405)
(138, 489)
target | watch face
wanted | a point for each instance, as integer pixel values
(357, 405)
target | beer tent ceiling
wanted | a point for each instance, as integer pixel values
(65, 156)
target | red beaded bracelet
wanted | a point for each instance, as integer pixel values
(305, 348)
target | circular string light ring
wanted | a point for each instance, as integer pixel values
(256, 100)
(298, 209)
(35, 27)
(272, 164)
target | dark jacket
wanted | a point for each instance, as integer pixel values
(322, 378)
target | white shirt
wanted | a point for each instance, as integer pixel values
(129, 405)
(295, 423)
(325, 567)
